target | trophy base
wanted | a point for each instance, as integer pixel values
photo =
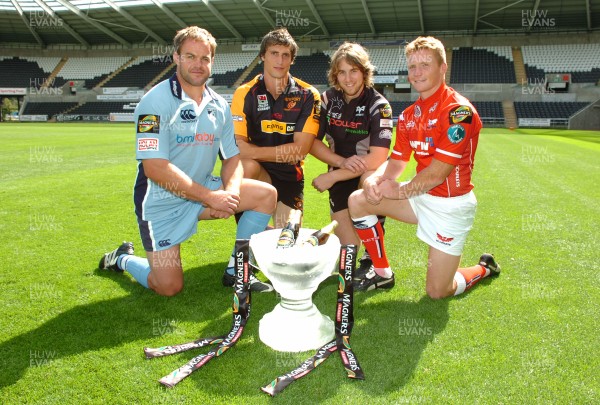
(288, 330)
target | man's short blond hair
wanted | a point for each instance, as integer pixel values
(355, 55)
(430, 43)
(195, 33)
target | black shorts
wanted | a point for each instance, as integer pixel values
(289, 192)
(339, 193)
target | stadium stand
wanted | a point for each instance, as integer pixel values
(102, 108)
(139, 73)
(47, 108)
(398, 107)
(490, 112)
(558, 111)
(18, 72)
(311, 69)
(482, 65)
(581, 60)
(227, 78)
(228, 67)
(92, 69)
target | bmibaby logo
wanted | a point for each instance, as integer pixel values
(273, 126)
(147, 144)
(203, 139)
(148, 123)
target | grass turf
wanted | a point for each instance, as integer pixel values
(70, 333)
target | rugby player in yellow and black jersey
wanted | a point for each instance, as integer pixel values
(276, 119)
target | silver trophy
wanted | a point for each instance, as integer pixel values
(295, 325)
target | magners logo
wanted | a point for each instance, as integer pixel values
(148, 123)
(462, 113)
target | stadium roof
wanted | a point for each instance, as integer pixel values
(98, 22)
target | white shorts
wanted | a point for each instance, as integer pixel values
(444, 223)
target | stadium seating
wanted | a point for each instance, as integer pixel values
(539, 109)
(490, 112)
(46, 108)
(102, 108)
(92, 69)
(139, 73)
(581, 60)
(311, 69)
(483, 65)
(20, 72)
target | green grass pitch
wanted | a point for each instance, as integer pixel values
(71, 334)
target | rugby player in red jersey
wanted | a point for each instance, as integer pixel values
(441, 129)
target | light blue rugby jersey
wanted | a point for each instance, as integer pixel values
(170, 125)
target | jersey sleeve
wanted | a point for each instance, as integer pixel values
(381, 124)
(228, 147)
(460, 122)
(240, 122)
(152, 129)
(310, 116)
(401, 149)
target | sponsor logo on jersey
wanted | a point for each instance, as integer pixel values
(417, 111)
(290, 105)
(456, 133)
(237, 118)
(273, 126)
(433, 107)
(263, 102)
(187, 115)
(344, 123)
(419, 146)
(385, 134)
(461, 113)
(203, 139)
(147, 144)
(386, 123)
(386, 111)
(360, 111)
(278, 116)
(317, 109)
(431, 123)
(148, 123)
(410, 124)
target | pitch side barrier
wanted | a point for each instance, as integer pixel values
(81, 118)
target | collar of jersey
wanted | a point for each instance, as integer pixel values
(178, 92)
(291, 83)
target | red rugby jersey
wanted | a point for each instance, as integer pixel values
(445, 126)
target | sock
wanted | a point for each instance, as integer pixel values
(461, 283)
(381, 220)
(250, 222)
(472, 275)
(370, 232)
(136, 266)
(238, 216)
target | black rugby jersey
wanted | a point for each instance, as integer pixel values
(267, 121)
(351, 128)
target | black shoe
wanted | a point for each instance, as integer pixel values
(109, 260)
(363, 269)
(488, 261)
(372, 281)
(255, 284)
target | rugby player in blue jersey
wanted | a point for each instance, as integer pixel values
(182, 125)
